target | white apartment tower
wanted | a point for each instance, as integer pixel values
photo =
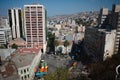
(34, 22)
(5, 32)
(15, 22)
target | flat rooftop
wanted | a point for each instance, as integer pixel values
(18, 41)
(6, 52)
(22, 60)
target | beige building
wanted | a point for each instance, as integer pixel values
(81, 28)
(26, 60)
(34, 21)
(57, 27)
(19, 42)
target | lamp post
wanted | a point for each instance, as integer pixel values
(118, 72)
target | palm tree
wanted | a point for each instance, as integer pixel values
(66, 43)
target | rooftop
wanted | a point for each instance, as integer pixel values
(6, 52)
(8, 72)
(22, 60)
(34, 4)
(18, 41)
(29, 50)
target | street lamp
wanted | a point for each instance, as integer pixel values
(118, 72)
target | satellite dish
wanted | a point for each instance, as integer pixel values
(118, 69)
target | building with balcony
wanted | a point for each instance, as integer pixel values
(5, 35)
(115, 22)
(34, 22)
(104, 41)
(102, 16)
(5, 31)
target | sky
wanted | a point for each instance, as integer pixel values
(59, 7)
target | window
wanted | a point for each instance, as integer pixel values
(25, 77)
(39, 14)
(26, 8)
(33, 14)
(28, 75)
(21, 72)
(24, 71)
(27, 69)
(22, 77)
(39, 8)
(27, 14)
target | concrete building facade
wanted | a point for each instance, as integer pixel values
(34, 21)
(109, 41)
(15, 22)
(3, 22)
(99, 43)
(5, 35)
(5, 32)
(102, 16)
(26, 62)
(115, 22)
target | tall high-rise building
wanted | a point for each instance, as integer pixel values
(15, 22)
(34, 18)
(116, 25)
(109, 32)
(103, 16)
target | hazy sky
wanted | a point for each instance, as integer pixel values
(59, 7)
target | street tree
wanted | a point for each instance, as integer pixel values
(59, 74)
(50, 41)
(3, 46)
(66, 44)
(56, 43)
(79, 21)
(14, 46)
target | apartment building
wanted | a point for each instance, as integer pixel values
(3, 22)
(34, 22)
(5, 35)
(104, 41)
(99, 43)
(102, 16)
(115, 22)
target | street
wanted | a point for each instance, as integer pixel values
(55, 61)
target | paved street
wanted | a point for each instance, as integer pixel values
(55, 61)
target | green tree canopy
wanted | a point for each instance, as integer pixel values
(50, 39)
(3, 46)
(56, 43)
(59, 74)
(14, 46)
(105, 70)
(66, 43)
(79, 21)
